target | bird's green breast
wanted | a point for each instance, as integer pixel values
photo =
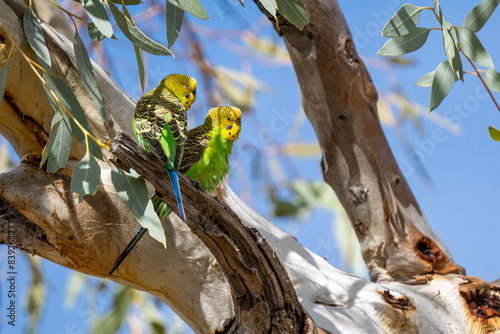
(214, 164)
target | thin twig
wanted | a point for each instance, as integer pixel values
(482, 80)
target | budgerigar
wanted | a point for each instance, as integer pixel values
(160, 124)
(205, 158)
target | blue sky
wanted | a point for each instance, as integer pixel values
(462, 208)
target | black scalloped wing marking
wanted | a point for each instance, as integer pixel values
(197, 141)
(152, 113)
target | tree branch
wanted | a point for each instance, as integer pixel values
(263, 297)
(339, 99)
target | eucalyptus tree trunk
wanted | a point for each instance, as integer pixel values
(229, 269)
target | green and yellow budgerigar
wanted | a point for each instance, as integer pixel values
(205, 158)
(160, 123)
(207, 150)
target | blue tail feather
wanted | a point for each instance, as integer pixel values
(175, 184)
(129, 248)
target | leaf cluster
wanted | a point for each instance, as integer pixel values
(405, 37)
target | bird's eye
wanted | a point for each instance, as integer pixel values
(229, 118)
(187, 96)
(186, 86)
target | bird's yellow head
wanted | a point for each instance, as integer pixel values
(182, 86)
(229, 120)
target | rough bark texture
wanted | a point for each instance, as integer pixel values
(398, 244)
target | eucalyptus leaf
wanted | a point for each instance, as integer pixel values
(492, 79)
(112, 321)
(127, 2)
(194, 7)
(478, 16)
(95, 33)
(3, 79)
(85, 180)
(456, 61)
(140, 65)
(34, 34)
(85, 68)
(443, 81)
(270, 6)
(451, 50)
(70, 102)
(119, 2)
(403, 22)
(494, 133)
(398, 46)
(57, 149)
(97, 12)
(472, 47)
(450, 47)
(294, 11)
(175, 16)
(136, 36)
(426, 79)
(132, 190)
(58, 111)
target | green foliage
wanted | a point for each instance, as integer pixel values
(492, 78)
(175, 16)
(451, 49)
(97, 12)
(303, 198)
(410, 42)
(472, 47)
(136, 36)
(194, 7)
(35, 297)
(134, 193)
(494, 133)
(270, 6)
(403, 22)
(3, 79)
(140, 64)
(406, 37)
(56, 152)
(426, 79)
(85, 68)
(68, 101)
(94, 33)
(34, 34)
(478, 16)
(86, 175)
(294, 11)
(443, 80)
(112, 321)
